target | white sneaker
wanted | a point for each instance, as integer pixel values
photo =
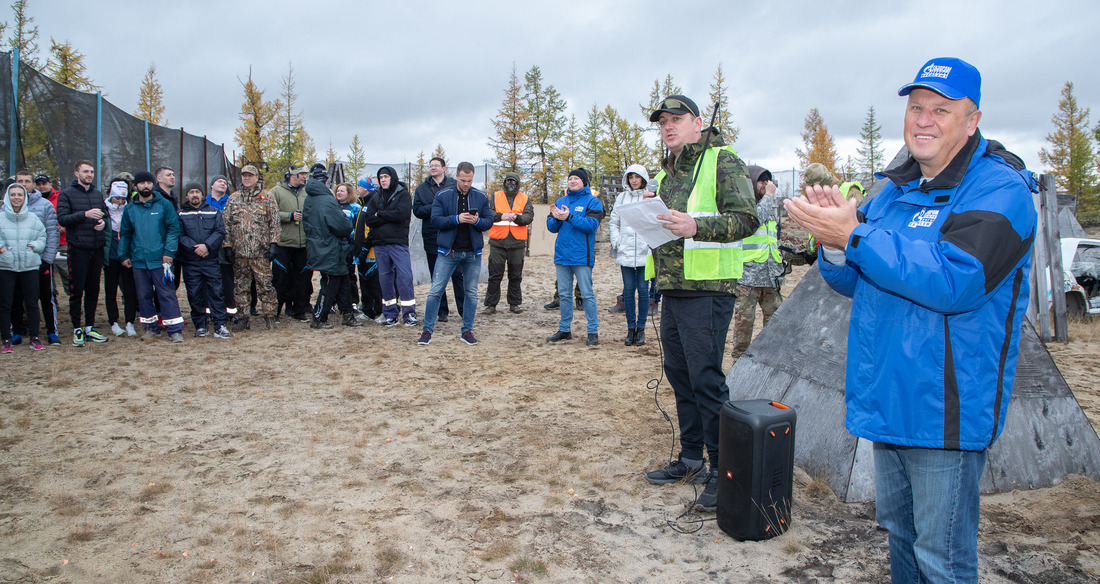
(117, 330)
(130, 332)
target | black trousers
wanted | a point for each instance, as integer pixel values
(85, 266)
(499, 259)
(47, 298)
(693, 340)
(115, 276)
(227, 284)
(456, 285)
(370, 290)
(28, 281)
(334, 290)
(293, 282)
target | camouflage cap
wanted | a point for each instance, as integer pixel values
(250, 169)
(817, 174)
(299, 168)
(122, 176)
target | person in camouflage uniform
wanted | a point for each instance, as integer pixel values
(762, 275)
(251, 227)
(711, 207)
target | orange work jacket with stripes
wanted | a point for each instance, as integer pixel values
(500, 229)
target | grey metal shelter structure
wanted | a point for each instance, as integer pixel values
(799, 358)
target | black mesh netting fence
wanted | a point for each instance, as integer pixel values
(53, 126)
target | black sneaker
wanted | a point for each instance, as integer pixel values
(552, 305)
(593, 339)
(201, 332)
(708, 501)
(425, 338)
(580, 303)
(676, 472)
(410, 320)
(390, 322)
(469, 338)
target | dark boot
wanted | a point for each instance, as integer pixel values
(269, 322)
(349, 320)
(639, 337)
(653, 307)
(552, 305)
(241, 324)
(619, 306)
(630, 337)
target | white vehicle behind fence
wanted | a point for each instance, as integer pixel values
(1081, 267)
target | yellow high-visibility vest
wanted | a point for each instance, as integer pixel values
(704, 260)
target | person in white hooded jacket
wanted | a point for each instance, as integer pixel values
(22, 239)
(630, 253)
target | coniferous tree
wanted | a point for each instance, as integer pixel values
(254, 133)
(439, 152)
(510, 134)
(357, 160)
(622, 143)
(291, 144)
(66, 66)
(591, 145)
(331, 155)
(150, 105)
(819, 144)
(1071, 156)
(24, 34)
(545, 112)
(419, 171)
(567, 157)
(871, 157)
(659, 92)
(724, 120)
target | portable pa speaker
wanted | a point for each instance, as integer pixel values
(755, 468)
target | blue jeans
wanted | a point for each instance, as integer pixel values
(929, 501)
(565, 288)
(634, 283)
(469, 264)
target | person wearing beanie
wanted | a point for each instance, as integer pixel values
(512, 216)
(762, 276)
(388, 214)
(936, 265)
(116, 275)
(148, 240)
(423, 199)
(575, 218)
(217, 198)
(706, 188)
(202, 232)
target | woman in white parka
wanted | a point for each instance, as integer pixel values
(630, 253)
(22, 238)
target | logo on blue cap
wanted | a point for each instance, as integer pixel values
(950, 77)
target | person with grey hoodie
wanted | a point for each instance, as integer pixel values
(22, 240)
(630, 252)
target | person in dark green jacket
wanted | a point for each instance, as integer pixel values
(327, 229)
(148, 240)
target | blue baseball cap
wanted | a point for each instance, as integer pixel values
(950, 77)
(366, 183)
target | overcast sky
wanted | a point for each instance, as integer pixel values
(405, 76)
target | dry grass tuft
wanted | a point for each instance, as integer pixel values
(498, 551)
(152, 490)
(67, 505)
(82, 532)
(389, 560)
(526, 568)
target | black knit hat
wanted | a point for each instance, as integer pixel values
(581, 174)
(144, 176)
(192, 186)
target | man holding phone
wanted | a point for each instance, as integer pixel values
(461, 214)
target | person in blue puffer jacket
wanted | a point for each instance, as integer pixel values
(575, 217)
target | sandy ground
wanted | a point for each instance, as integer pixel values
(355, 455)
